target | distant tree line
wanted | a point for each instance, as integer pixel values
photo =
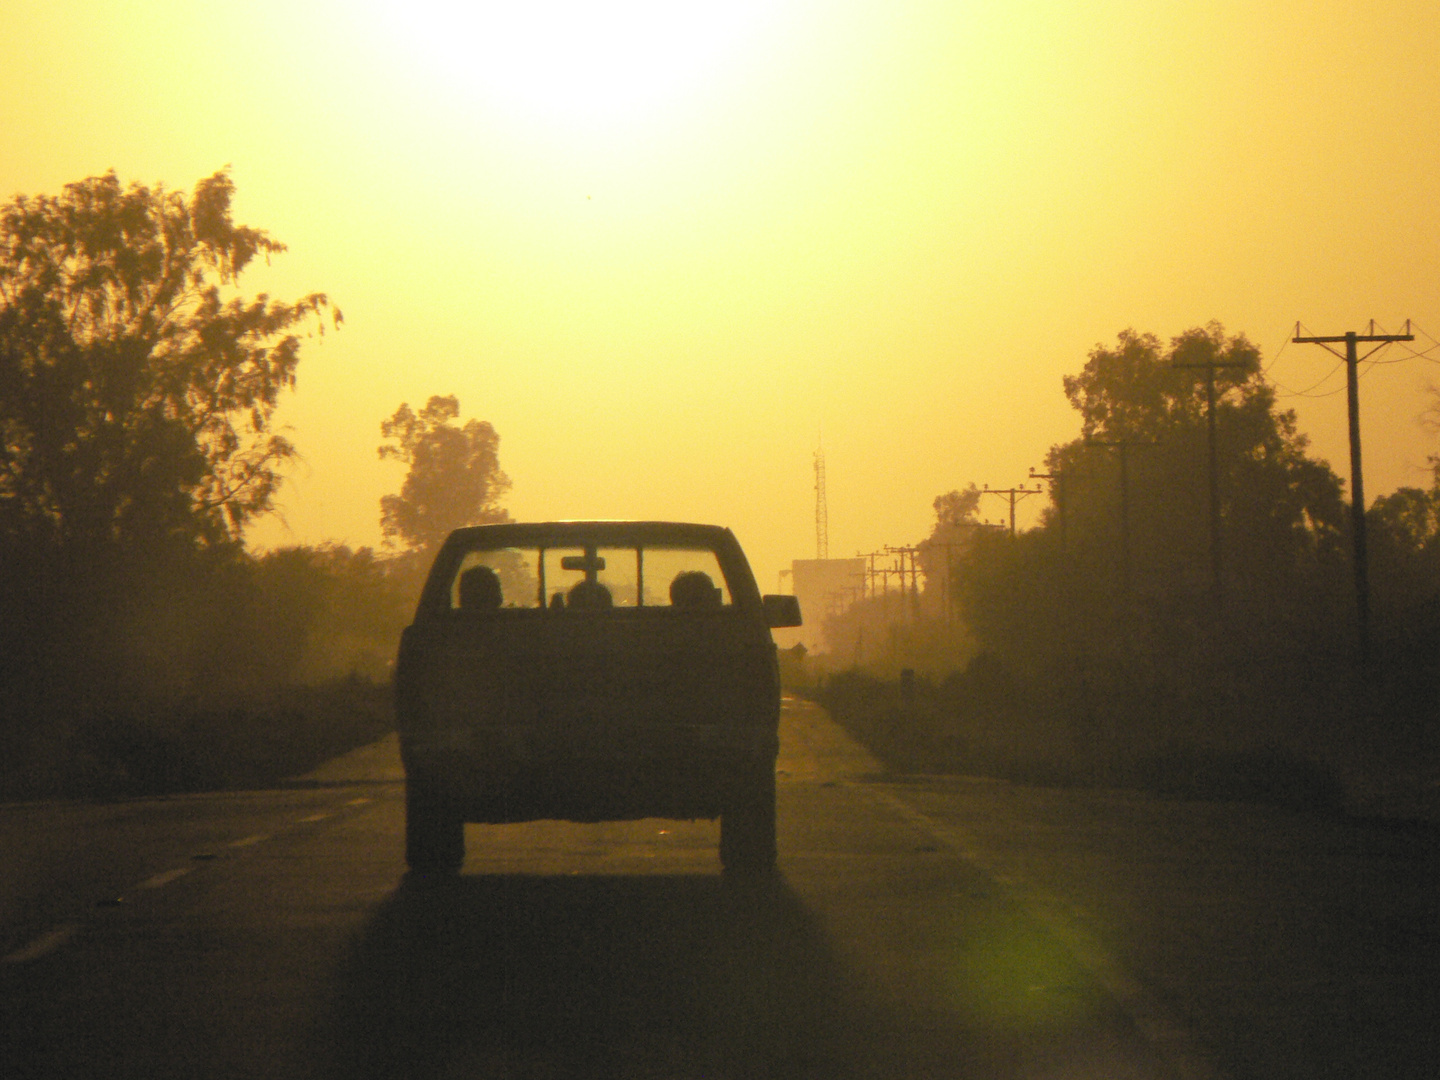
(1104, 637)
(137, 390)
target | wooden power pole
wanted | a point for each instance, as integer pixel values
(1012, 494)
(1216, 581)
(1123, 448)
(1357, 481)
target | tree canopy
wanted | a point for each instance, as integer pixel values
(957, 507)
(137, 385)
(1141, 465)
(454, 477)
(1121, 565)
(1140, 390)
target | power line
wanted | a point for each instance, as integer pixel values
(1309, 391)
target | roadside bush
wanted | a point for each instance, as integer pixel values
(198, 745)
(179, 669)
(984, 722)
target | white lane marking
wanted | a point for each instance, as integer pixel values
(48, 942)
(43, 944)
(161, 880)
(1153, 1020)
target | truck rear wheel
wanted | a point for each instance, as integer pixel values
(434, 834)
(747, 826)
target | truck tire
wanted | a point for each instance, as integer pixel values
(434, 834)
(747, 826)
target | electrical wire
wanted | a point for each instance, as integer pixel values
(1308, 392)
(1265, 369)
(1431, 355)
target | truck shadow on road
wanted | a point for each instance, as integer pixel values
(594, 976)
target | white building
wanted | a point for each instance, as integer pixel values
(823, 587)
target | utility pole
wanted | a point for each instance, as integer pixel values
(1123, 446)
(950, 548)
(1012, 494)
(898, 556)
(901, 554)
(1357, 480)
(1057, 487)
(949, 594)
(1216, 585)
(878, 573)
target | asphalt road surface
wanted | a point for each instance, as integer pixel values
(919, 927)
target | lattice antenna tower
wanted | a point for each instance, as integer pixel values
(822, 513)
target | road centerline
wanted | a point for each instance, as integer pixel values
(165, 878)
(45, 943)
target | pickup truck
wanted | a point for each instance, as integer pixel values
(590, 671)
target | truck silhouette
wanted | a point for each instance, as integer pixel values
(590, 671)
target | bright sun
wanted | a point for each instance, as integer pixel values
(573, 62)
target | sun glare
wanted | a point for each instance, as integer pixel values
(574, 62)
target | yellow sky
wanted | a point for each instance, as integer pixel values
(665, 251)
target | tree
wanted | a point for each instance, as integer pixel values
(1408, 519)
(136, 385)
(454, 477)
(956, 508)
(1121, 617)
(1136, 391)
(1280, 509)
(956, 523)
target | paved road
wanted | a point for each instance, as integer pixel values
(920, 927)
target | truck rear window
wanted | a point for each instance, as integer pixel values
(578, 578)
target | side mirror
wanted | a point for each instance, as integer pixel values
(781, 610)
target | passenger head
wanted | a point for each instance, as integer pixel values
(588, 596)
(694, 589)
(479, 589)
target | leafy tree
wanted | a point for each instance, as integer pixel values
(1281, 510)
(957, 508)
(1404, 531)
(136, 385)
(335, 611)
(1407, 520)
(956, 523)
(1117, 615)
(1136, 390)
(454, 477)
(1404, 528)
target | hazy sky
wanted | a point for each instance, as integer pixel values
(666, 248)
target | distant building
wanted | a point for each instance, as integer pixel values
(824, 587)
